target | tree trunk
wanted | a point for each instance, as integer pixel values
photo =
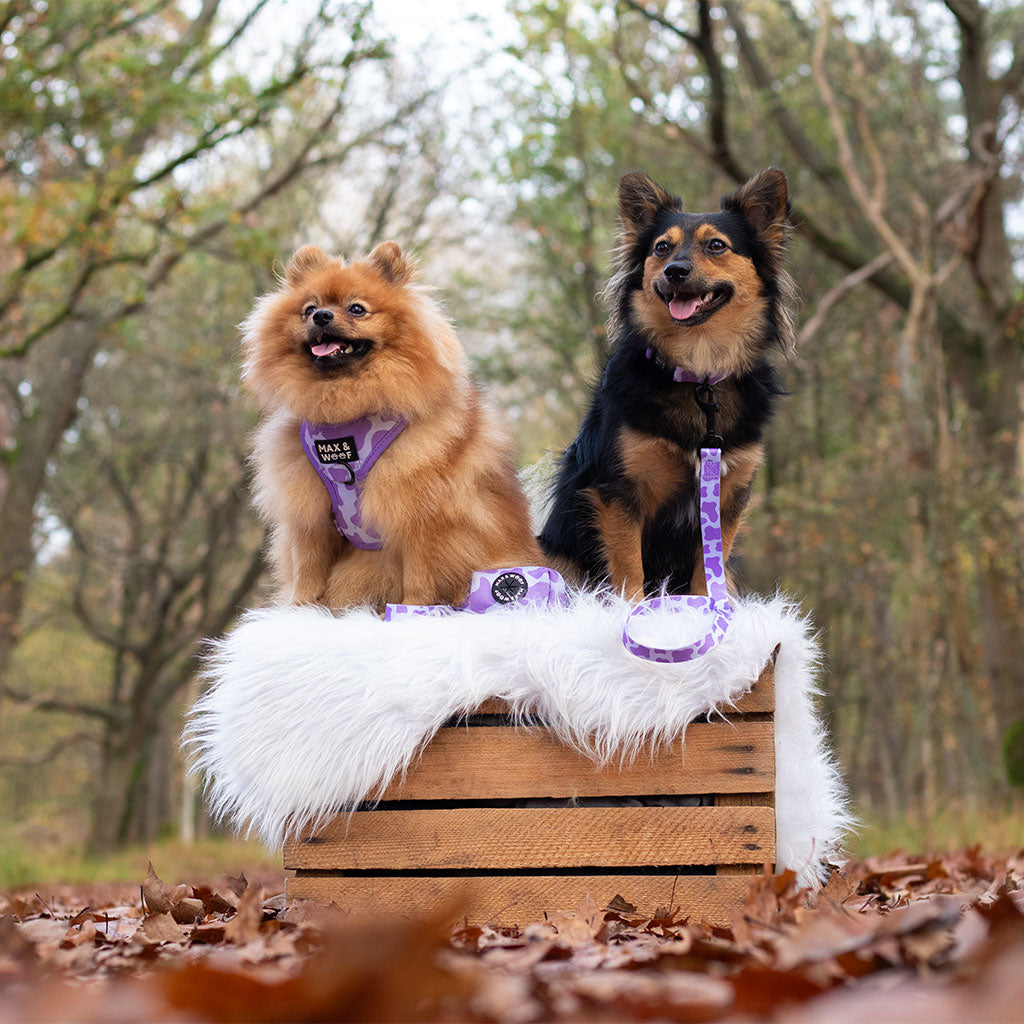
(132, 803)
(23, 473)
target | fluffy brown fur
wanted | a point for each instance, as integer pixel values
(444, 495)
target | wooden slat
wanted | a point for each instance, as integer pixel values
(521, 900)
(742, 800)
(759, 699)
(507, 763)
(509, 838)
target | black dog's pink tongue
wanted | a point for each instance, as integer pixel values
(682, 309)
(325, 348)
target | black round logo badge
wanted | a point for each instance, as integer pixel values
(509, 587)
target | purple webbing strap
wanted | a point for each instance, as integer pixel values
(716, 605)
(496, 588)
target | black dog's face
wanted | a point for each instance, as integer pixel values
(697, 265)
(704, 287)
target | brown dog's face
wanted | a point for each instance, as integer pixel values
(706, 287)
(341, 341)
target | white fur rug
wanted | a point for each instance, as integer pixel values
(307, 714)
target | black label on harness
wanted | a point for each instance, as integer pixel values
(342, 449)
(509, 587)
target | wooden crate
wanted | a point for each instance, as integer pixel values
(507, 824)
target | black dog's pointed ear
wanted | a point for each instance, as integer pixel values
(304, 260)
(640, 199)
(389, 259)
(764, 202)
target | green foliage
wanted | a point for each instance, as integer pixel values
(122, 123)
(996, 828)
(1013, 753)
(25, 862)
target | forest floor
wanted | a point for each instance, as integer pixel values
(888, 938)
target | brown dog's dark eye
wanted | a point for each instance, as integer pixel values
(663, 248)
(308, 311)
(356, 310)
(716, 245)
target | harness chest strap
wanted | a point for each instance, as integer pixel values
(343, 454)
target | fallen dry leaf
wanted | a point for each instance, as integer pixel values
(928, 939)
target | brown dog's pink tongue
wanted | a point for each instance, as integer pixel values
(682, 309)
(325, 348)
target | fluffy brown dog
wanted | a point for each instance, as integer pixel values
(338, 342)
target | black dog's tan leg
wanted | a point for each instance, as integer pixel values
(621, 536)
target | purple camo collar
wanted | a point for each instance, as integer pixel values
(681, 376)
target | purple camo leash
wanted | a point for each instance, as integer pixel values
(497, 588)
(715, 606)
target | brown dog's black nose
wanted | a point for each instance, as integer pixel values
(322, 316)
(678, 271)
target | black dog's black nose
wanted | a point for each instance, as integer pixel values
(322, 316)
(677, 271)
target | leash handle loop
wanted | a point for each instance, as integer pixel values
(715, 606)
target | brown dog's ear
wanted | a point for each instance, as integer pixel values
(764, 202)
(390, 261)
(640, 199)
(308, 258)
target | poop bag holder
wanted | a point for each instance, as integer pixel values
(497, 588)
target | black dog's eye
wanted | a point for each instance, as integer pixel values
(309, 311)
(356, 310)
(663, 248)
(716, 245)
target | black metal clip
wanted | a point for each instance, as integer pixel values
(704, 393)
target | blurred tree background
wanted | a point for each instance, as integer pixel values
(157, 157)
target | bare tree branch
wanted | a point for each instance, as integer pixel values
(660, 19)
(46, 756)
(810, 155)
(815, 322)
(866, 201)
(44, 702)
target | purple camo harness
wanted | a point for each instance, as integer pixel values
(343, 454)
(715, 606)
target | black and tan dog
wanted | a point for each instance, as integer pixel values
(694, 296)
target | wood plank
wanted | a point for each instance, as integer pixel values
(522, 900)
(742, 800)
(508, 763)
(760, 698)
(510, 837)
